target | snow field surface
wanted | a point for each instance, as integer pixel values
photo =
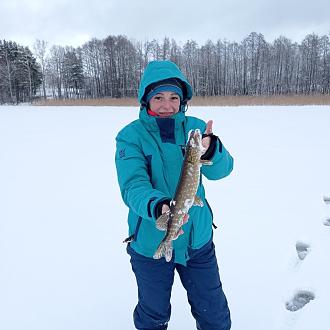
(62, 220)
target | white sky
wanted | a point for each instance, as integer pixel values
(74, 22)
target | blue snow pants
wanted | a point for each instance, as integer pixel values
(201, 280)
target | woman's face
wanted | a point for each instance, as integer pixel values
(165, 104)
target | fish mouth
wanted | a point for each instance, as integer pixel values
(198, 135)
(195, 138)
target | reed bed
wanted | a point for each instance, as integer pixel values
(280, 100)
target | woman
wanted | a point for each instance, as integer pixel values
(150, 153)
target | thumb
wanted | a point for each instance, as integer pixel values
(209, 125)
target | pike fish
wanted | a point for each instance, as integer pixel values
(185, 195)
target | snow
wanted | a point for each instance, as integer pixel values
(62, 220)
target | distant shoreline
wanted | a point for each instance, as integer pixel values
(280, 100)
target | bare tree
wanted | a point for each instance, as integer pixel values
(39, 49)
(54, 70)
(113, 66)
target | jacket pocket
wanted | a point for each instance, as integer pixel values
(192, 235)
(149, 170)
(137, 228)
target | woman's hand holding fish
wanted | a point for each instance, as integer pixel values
(166, 208)
(207, 139)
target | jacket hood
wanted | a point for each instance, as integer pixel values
(161, 70)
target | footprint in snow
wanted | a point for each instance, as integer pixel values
(302, 249)
(299, 300)
(326, 222)
(326, 199)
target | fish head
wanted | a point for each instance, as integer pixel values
(194, 145)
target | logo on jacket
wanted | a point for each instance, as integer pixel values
(122, 153)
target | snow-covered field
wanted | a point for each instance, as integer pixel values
(62, 262)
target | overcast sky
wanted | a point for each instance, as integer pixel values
(73, 22)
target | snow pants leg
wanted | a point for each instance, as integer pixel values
(201, 280)
(154, 280)
(204, 289)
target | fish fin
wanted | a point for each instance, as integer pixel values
(206, 162)
(198, 202)
(164, 249)
(162, 221)
(179, 232)
(168, 252)
(185, 219)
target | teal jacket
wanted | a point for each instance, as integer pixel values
(149, 157)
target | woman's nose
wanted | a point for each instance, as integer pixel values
(167, 104)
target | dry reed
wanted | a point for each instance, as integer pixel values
(280, 100)
(124, 102)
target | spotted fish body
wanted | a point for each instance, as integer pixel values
(185, 195)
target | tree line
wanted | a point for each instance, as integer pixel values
(112, 67)
(20, 75)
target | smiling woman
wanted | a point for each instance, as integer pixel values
(164, 104)
(149, 158)
(163, 98)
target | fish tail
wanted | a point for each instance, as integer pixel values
(164, 249)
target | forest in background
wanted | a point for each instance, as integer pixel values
(112, 67)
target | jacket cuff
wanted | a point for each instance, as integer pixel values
(209, 153)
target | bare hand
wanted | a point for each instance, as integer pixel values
(207, 140)
(165, 208)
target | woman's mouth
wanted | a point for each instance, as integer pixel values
(166, 114)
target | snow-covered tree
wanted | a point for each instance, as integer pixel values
(20, 74)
